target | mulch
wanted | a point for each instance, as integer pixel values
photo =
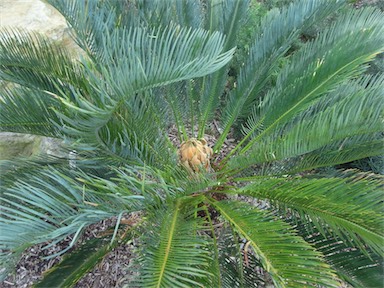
(110, 272)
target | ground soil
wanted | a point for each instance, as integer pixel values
(110, 272)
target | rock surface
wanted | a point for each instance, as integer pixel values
(15, 144)
(33, 15)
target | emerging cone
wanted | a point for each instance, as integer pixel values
(194, 154)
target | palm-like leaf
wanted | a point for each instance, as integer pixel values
(76, 264)
(273, 40)
(227, 20)
(343, 151)
(236, 262)
(176, 256)
(15, 111)
(52, 206)
(170, 55)
(322, 65)
(34, 61)
(353, 266)
(329, 122)
(351, 209)
(280, 251)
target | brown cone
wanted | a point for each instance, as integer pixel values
(194, 154)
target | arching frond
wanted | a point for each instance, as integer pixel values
(77, 263)
(33, 61)
(51, 205)
(352, 265)
(319, 67)
(275, 35)
(238, 266)
(339, 152)
(16, 116)
(189, 13)
(225, 16)
(349, 207)
(88, 20)
(132, 133)
(340, 117)
(175, 256)
(111, 14)
(171, 54)
(289, 260)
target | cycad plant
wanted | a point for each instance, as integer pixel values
(147, 115)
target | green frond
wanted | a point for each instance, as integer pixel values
(131, 133)
(227, 267)
(226, 17)
(33, 61)
(12, 169)
(189, 13)
(212, 88)
(136, 131)
(16, 105)
(119, 110)
(349, 207)
(177, 100)
(275, 35)
(216, 277)
(111, 14)
(318, 68)
(339, 152)
(88, 20)
(352, 265)
(355, 267)
(150, 183)
(172, 54)
(213, 18)
(50, 206)
(76, 264)
(289, 260)
(175, 255)
(232, 18)
(238, 266)
(353, 110)
(148, 14)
